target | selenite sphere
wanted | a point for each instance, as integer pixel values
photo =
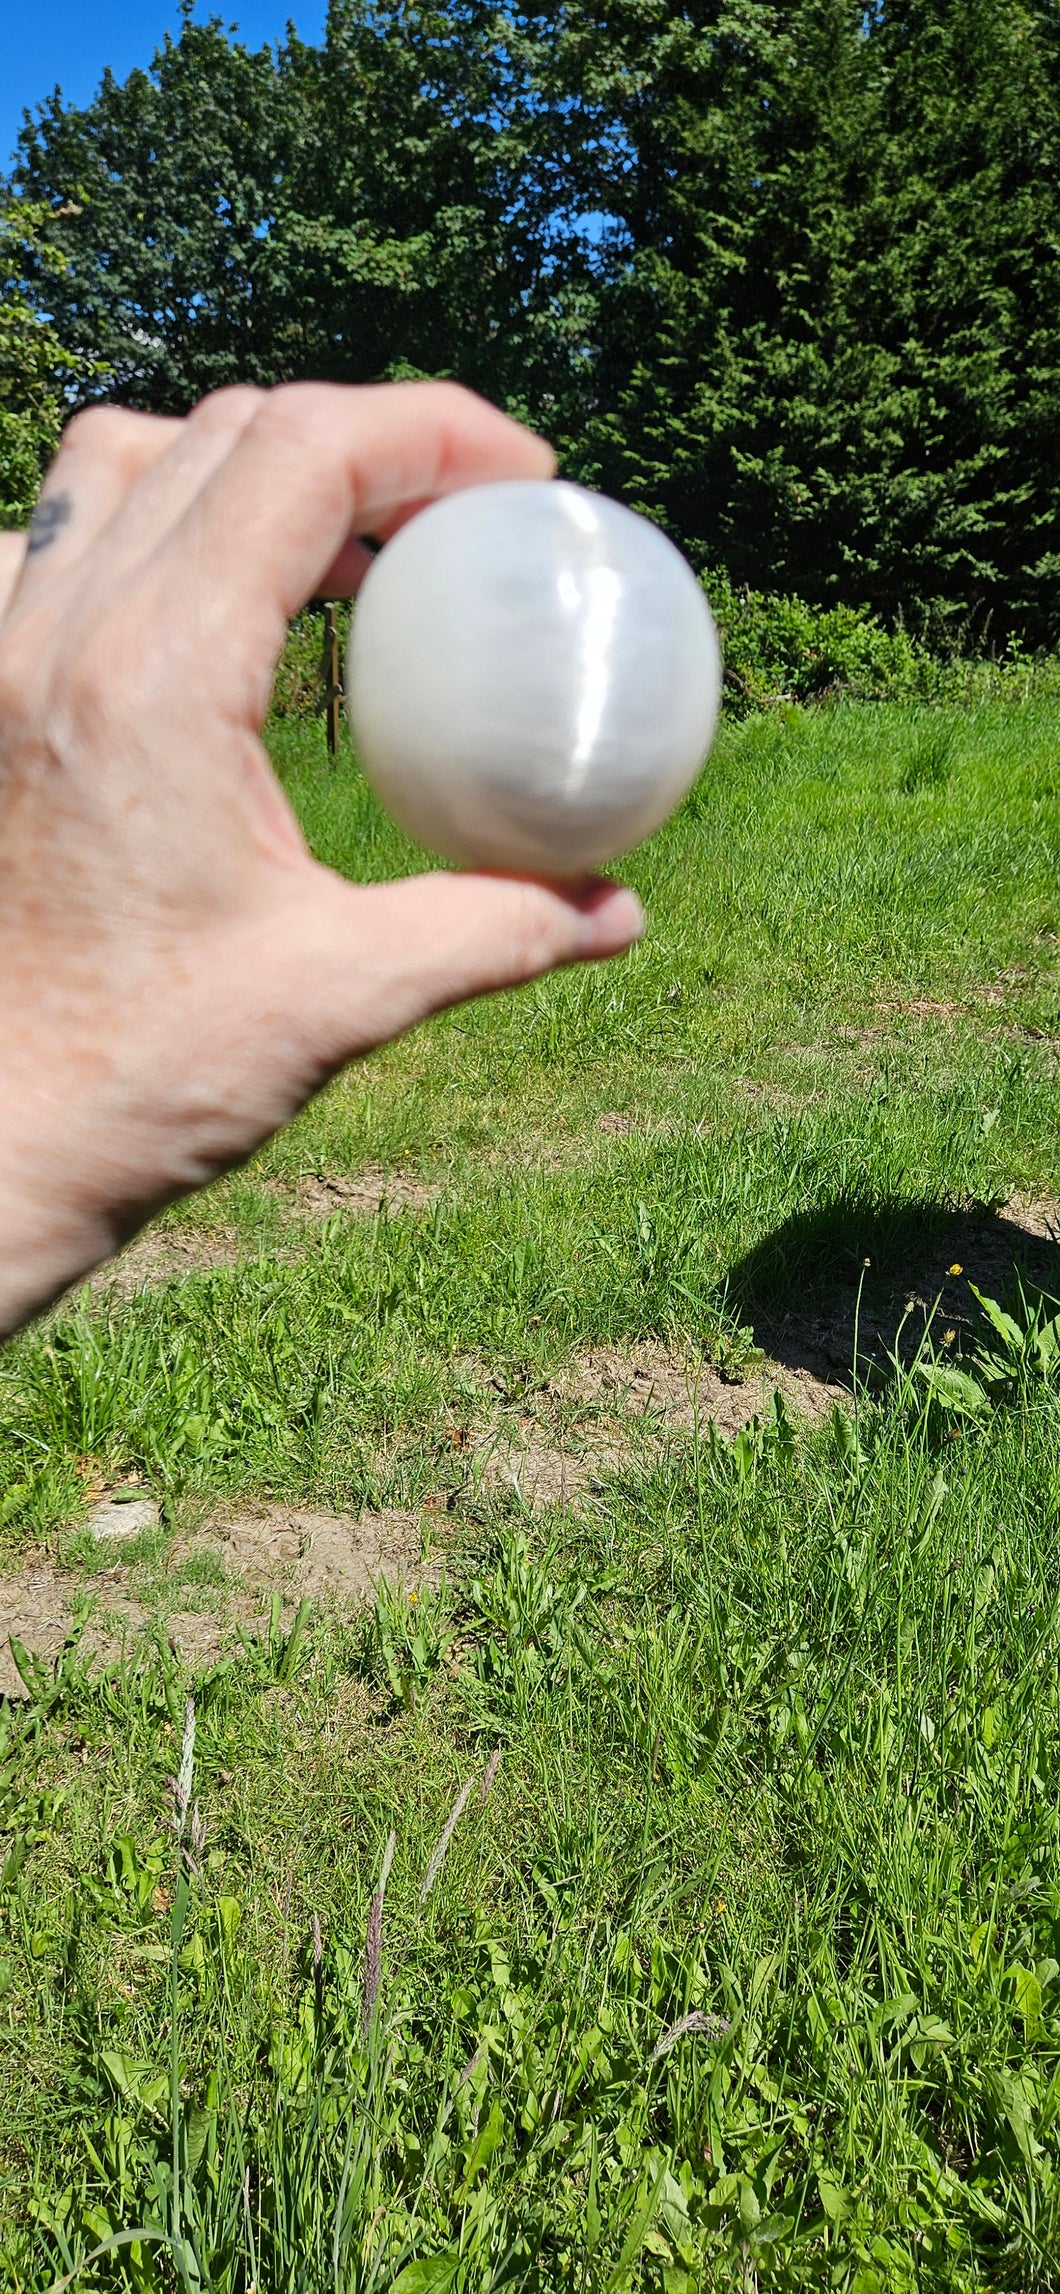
(533, 677)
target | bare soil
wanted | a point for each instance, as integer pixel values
(565, 1436)
(548, 1451)
(38, 1606)
(320, 1194)
(163, 1254)
(681, 1392)
(335, 1559)
(547, 1445)
(619, 1123)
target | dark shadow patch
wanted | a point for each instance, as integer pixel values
(868, 1276)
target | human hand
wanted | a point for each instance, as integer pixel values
(177, 974)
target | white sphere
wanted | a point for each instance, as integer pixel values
(533, 677)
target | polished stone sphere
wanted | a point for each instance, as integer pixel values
(533, 677)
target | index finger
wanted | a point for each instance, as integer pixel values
(320, 462)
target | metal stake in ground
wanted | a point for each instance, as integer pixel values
(332, 671)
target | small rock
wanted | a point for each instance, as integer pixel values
(123, 1517)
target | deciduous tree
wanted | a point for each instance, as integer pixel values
(38, 372)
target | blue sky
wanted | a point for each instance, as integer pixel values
(69, 42)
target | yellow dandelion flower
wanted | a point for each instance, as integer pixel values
(955, 1269)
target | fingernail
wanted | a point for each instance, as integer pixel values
(611, 919)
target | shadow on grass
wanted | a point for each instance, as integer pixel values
(857, 1272)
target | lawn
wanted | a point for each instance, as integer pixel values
(630, 1325)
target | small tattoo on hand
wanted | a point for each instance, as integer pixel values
(48, 520)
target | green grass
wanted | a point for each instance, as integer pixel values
(778, 1723)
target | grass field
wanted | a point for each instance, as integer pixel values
(741, 1964)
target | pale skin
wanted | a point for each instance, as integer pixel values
(177, 974)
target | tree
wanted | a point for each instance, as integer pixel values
(783, 273)
(349, 211)
(38, 372)
(163, 191)
(824, 349)
(959, 278)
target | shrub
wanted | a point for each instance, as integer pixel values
(780, 649)
(776, 650)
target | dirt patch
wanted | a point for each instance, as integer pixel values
(337, 1557)
(541, 1465)
(163, 1254)
(37, 1607)
(777, 1097)
(619, 1124)
(925, 1008)
(1036, 1215)
(682, 1391)
(361, 1195)
(610, 1404)
(993, 993)
(334, 1559)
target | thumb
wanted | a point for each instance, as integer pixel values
(377, 958)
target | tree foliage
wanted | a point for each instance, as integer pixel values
(38, 373)
(782, 272)
(826, 350)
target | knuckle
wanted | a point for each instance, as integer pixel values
(118, 436)
(100, 430)
(228, 409)
(293, 406)
(449, 409)
(452, 398)
(456, 416)
(294, 412)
